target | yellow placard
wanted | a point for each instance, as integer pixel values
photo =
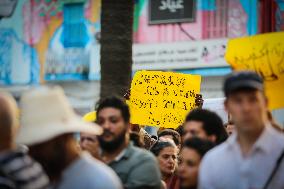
(162, 98)
(265, 55)
(90, 117)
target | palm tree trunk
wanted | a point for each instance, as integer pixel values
(116, 46)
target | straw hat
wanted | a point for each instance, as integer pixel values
(46, 113)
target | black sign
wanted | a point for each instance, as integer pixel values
(171, 11)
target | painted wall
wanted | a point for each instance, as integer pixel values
(49, 40)
(214, 19)
(56, 39)
(18, 60)
(279, 15)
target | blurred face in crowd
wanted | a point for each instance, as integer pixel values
(89, 143)
(114, 126)
(195, 129)
(52, 154)
(167, 159)
(248, 109)
(188, 167)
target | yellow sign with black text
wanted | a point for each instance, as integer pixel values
(263, 54)
(162, 98)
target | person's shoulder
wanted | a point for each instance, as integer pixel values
(98, 172)
(141, 154)
(216, 153)
(94, 165)
(277, 135)
(9, 156)
(16, 160)
(6, 183)
(277, 142)
(142, 161)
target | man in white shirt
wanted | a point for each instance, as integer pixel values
(247, 159)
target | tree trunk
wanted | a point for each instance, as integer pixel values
(116, 46)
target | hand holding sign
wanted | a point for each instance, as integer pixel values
(162, 98)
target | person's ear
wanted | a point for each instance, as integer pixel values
(128, 127)
(266, 101)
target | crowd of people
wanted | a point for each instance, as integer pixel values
(39, 147)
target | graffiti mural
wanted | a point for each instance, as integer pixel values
(279, 15)
(18, 61)
(237, 19)
(58, 39)
(50, 40)
(214, 19)
(39, 13)
(64, 36)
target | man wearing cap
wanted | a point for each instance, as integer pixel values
(251, 157)
(137, 168)
(48, 125)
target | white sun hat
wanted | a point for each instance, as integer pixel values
(46, 113)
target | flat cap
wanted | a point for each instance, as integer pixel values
(242, 80)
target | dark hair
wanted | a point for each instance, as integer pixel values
(173, 133)
(180, 130)
(211, 123)
(159, 146)
(136, 138)
(201, 146)
(114, 102)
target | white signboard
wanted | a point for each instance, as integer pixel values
(216, 105)
(180, 55)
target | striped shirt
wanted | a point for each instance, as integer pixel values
(20, 171)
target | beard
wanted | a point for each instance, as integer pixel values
(110, 146)
(53, 162)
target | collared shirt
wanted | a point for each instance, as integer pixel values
(225, 167)
(137, 169)
(87, 172)
(120, 155)
(18, 170)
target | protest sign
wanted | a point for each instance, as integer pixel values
(216, 105)
(90, 117)
(162, 98)
(263, 54)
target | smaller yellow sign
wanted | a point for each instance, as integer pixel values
(162, 98)
(90, 117)
(263, 54)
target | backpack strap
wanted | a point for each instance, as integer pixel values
(276, 167)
